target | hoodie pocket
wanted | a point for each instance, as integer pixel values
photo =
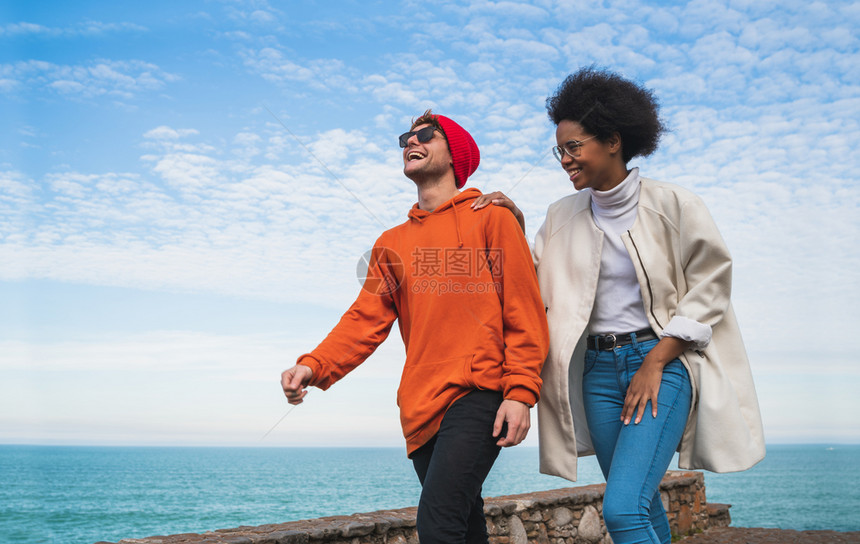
(428, 389)
(427, 381)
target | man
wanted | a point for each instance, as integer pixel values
(462, 285)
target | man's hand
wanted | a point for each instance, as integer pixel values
(517, 416)
(294, 382)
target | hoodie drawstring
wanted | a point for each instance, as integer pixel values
(457, 226)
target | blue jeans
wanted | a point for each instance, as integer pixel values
(634, 457)
(452, 468)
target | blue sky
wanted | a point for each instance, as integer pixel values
(177, 219)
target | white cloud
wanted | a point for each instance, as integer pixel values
(517, 48)
(396, 92)
(86, 28)
(14, 187)
(261, 16)
(16, 29)
(166, 133)
(276, 66)
(255, 12)
(120, 79)
(212, 221)
(509, 10)
(95, 28)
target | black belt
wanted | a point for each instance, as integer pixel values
(608, 342)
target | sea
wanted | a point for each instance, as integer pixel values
(81, 495)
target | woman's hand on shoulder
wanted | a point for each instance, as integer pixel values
(498, 198)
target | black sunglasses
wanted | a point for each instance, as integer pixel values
(424, 135)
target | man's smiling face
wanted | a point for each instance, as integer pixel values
(427, 160)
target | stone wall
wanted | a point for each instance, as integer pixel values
(560, 516)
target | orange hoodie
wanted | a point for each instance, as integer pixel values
(463, 286)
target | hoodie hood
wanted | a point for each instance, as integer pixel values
(468, 195)
(460, 200)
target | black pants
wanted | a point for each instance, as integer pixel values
(452, 467)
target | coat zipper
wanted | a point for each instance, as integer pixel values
(650, 291)
(647, 279)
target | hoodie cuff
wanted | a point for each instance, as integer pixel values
(687, 329)
(309, 361)
(522, 394)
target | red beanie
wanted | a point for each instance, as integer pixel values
(464, 151)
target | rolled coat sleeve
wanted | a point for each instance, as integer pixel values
(707, 273)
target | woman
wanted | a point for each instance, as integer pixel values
(646, 357)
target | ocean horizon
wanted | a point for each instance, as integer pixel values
(84, 494)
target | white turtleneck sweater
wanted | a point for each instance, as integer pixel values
(618, 306)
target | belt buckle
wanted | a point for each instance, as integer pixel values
(614, 341)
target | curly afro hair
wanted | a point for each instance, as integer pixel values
(605, 103)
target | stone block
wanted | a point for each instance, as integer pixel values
(360, 528)
(235, 540)
(516, 531)
(284, 537)
(719, 515)
(685, 519)
(590, 528)
(561, 517)
(492, 510)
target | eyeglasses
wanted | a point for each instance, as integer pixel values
(424, 135)
(572, 148)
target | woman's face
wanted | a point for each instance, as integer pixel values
(598, 165)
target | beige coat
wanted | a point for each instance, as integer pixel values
(684, 269)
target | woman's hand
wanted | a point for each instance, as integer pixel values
(645, 385)
(498, 198)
